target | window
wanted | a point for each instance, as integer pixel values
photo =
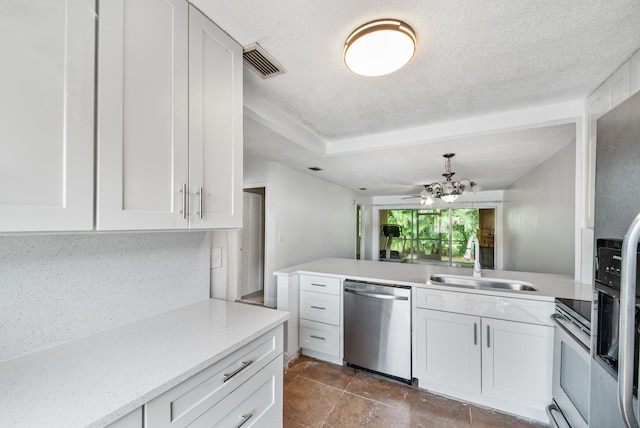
(436, 236)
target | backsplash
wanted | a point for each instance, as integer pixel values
(57, 288)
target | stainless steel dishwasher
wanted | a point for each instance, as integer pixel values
(377, 328)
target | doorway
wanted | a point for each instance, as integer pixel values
(252, 246)
(359, 233)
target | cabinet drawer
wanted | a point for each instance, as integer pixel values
(256, 403)
(320, 284)
(320, 307)
(491, 306)
(182, 404)
(320, 337)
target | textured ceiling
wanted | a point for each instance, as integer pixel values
(473, 59)
(405, 170)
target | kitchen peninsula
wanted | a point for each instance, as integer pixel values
(469, 342)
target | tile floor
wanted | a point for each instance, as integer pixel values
(319, 394)
(256, 298)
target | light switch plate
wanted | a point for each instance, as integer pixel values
(216, 257)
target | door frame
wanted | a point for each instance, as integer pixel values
(269, 285)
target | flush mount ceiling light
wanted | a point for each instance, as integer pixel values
(379, 47)
(448, 190)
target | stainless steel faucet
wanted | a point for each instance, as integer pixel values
(477, 271)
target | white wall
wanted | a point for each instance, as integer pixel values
(539, 217)
(306, 217)
(224, 278)
(57, 288)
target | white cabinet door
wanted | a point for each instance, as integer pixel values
(142, 161)
(448, 351)
(46, 115)
(215, 126)
(517, 362)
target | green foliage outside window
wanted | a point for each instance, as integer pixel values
(427, 235)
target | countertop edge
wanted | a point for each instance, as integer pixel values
(166, 386)
(563, 285)
(68, 381)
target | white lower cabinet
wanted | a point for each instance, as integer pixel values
(502, 363)
(133, 419)
(320, 332)
(320, 307)
(256, 403)
(245, 386)
(320, 337)
(448, 351)
(517, 362)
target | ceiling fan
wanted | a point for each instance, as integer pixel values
(448, 190)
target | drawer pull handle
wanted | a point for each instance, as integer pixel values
(318, 285)
(318, 337)
(243, 366)
(244, 419)
(318, 307)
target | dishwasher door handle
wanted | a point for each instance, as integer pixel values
(376, 296)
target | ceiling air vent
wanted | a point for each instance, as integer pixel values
(257, 59)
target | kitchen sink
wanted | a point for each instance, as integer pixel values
(504, 284)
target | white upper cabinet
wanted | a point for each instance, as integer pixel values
(46, 115)
(143, 130)
(215, 125)
(169, 119)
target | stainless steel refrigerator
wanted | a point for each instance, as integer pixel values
(617, 222)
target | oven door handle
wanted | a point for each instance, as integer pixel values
(556, 319)
(551, 408)
(627, 322)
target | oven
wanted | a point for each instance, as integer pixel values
(607, 285)
(606, 352)
(570, 386)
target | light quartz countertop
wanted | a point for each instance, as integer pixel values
(95, 380)
(549, 286)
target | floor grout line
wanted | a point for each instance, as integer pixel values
(332, 409)
(321, 383)
(376, 386)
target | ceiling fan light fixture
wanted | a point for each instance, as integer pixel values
(449, 198)
(448, 190)
(379, 47)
